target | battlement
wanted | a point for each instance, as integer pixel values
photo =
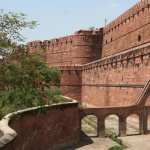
(82, 47)
(83, 35)
(129, 30)
(128, 16)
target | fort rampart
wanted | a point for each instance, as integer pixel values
(128, 30)
(107, 66)
(80, 48)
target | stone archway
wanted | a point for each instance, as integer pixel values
(89, 125)
(133, 124)
(112, 125)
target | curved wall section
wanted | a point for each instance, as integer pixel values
(80, 48)
(53, 127)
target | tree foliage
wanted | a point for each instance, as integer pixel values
(26, 82)
(11, 25)
(25, 79)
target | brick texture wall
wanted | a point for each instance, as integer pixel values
(71, 79)
(129, 30)
(117, 80)
(80, 48)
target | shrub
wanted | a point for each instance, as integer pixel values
(26, 81)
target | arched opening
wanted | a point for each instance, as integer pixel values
(133, 125)
(89, 125)
(112, 125)
(148, 122)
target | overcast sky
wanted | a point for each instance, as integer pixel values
(63, 17)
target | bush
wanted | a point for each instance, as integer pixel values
(111, 134)
(26, 81)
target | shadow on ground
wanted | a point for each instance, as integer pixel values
(84, 140)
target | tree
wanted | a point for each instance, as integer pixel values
(25, 79)
(11, 25)
(26, 82)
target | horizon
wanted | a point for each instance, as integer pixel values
(58, 19)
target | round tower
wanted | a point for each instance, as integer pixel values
(86, 46)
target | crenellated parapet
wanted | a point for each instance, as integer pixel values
(128, 30)
(127, 16)
(35, 46)
(82, 47)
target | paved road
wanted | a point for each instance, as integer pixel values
(140, 142)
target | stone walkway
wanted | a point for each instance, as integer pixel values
(98, 144)
(140, 142)
(94, 143)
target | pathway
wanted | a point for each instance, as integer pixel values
(140, 142)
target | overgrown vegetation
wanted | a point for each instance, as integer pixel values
(112, 135)
(25, 79)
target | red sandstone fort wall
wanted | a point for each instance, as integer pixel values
(116, 80)
(71, 79)
(80, 48)
(129, 30)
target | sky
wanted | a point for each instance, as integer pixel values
(57, 18)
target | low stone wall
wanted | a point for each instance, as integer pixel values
(42, 128)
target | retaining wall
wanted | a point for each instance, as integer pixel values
(55, 127)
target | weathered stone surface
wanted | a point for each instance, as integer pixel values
(121, 55)
(51, 127)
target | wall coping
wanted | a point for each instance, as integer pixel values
(8, 134)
